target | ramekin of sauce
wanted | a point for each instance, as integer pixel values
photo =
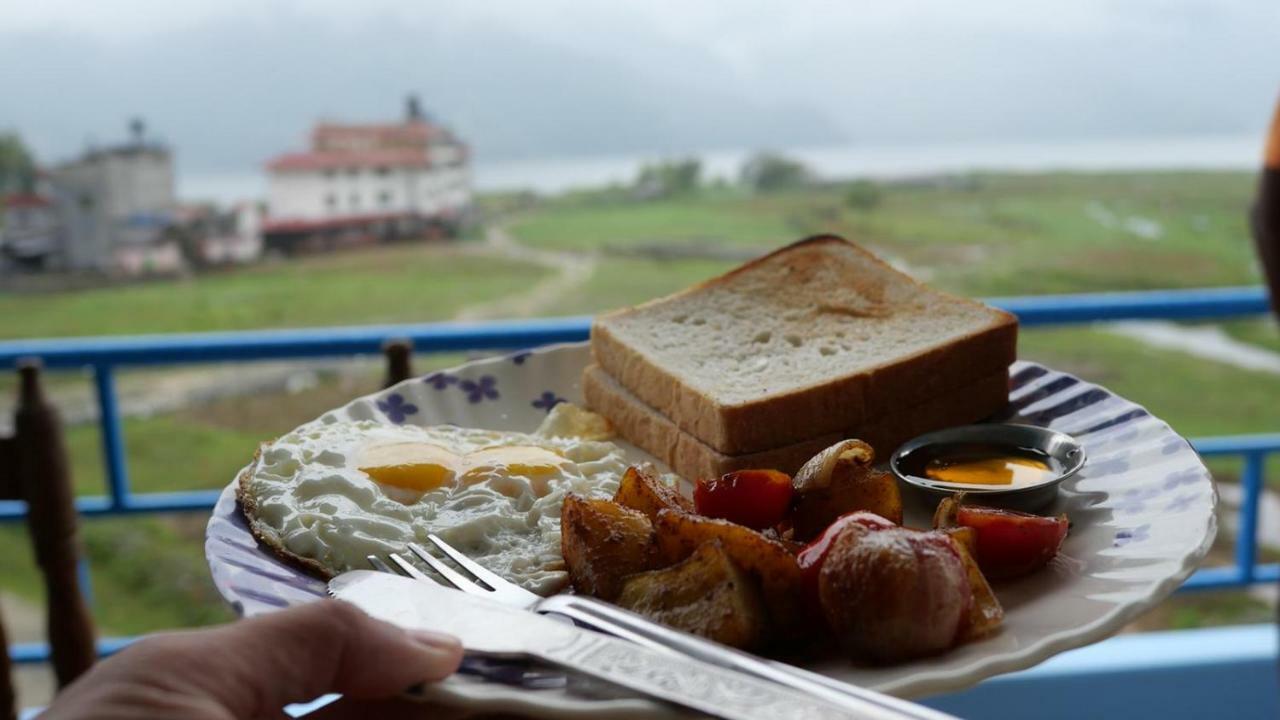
(1004, 465)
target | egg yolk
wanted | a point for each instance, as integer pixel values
(423, 467)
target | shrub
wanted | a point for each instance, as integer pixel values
(769, 172)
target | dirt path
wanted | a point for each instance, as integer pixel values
(1208, 342)
(570, 270)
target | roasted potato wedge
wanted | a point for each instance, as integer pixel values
(602, 543)
(985, 611)
(841, 480)
(964, 536)
(706, 594)
(769, 562)
(642, 490)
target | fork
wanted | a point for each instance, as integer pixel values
(627, 625)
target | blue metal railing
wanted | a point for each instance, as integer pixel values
(1254, 449)
(104, 354)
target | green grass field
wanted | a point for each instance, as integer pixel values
(988, 235)
(406, 283)
(985, 235)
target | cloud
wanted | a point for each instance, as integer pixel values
(558, 76)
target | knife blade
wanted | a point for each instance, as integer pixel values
(489, 628)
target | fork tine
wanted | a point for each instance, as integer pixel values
(490, 578)
(380, 566)
(409, 569)
(456, 578)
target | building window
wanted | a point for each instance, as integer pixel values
(383, 171)
(353, 201)
(331, 201)
(329, 173)
(384, 198)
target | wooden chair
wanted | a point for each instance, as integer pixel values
(398, 352)
(34, 468)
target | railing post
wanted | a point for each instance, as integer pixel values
(112, 439)
(1247, 536)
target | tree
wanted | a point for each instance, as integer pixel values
(668, 178)
(770, 172)
(17, 167)
(862, 195)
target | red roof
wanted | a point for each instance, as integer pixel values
(336, 160)
(26, 200)
(328, 137)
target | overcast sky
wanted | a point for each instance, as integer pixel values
(231, 82)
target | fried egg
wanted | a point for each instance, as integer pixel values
(335, 492)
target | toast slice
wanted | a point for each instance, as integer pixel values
(809, 340)
(691, 458)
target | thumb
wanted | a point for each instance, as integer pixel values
(323, 647)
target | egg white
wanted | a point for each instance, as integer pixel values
(310, 497)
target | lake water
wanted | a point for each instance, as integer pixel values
(552, 175)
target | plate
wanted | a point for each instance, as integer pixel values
(1142, 512)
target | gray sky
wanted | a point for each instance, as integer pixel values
(230, 82)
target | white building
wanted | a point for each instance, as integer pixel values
(115, 204)
(367, 183)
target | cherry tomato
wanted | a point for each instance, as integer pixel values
(812, 556)
(756, 498)
(1012, 544)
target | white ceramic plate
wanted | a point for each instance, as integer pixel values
(1142, 512)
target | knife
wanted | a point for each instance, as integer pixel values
(488, 628)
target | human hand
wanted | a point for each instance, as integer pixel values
(253, 668)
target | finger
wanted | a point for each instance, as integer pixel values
(325, 646)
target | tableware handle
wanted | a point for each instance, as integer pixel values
(638, 629)
(711, 689)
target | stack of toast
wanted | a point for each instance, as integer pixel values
(774, 361)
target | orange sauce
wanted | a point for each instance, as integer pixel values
(1006, 470)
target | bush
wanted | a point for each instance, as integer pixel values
(668, 178)
(768, 172)
(862, 195)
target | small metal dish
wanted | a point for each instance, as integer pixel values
(1066, 456)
